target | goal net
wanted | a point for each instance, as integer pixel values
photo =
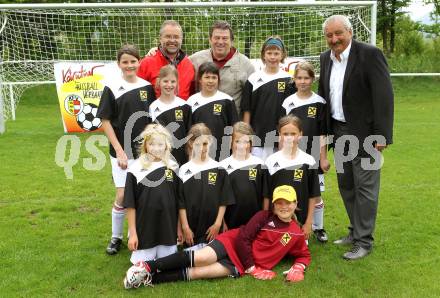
(34, 37)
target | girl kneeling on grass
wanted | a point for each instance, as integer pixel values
(151, 193)
(253, 249)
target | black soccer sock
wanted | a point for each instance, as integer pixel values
(171, 275)
(179, 260)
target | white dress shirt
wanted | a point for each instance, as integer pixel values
(337, 82)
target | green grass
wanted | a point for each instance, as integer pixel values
(54, 230)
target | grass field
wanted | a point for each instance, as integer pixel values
(54, 230)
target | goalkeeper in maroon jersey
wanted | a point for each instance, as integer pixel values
(253, 249)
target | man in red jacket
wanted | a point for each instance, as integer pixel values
(253, 249)
(169, 52)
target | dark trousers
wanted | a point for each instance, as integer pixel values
(359, 189)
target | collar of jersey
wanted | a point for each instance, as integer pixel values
(201, 100)
(140, 173)
(283, 163)
(298, 102)
(163, 107)
(194, 168)
(260, 77)
(126, 86)
(239, 164)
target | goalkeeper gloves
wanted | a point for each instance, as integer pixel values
(295, 273)
(260, 273)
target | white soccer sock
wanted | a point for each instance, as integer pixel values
(118, 215)
(318, 216)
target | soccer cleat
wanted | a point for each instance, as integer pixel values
(321, 235)
(356, 252)
(137, 275)
(114, 246)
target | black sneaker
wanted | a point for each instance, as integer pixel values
(114, 246)
(321, 235)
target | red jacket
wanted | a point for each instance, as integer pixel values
(150, 67)
(264, 241)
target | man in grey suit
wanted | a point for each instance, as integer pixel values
(355, 81)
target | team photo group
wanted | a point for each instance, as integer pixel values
(219, 166)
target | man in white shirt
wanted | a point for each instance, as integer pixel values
(355, 81)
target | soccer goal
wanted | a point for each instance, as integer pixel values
(34, 37)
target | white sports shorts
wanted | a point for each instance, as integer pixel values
(119, 175)
(153, 253)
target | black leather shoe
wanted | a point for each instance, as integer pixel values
(114, 246)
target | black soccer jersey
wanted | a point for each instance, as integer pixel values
(263, 95)
(297, 173)
(176, 116)
(154, 194)
(312, 113)
(217, 112)
(248, 180)
(119, 101)
(205, 188)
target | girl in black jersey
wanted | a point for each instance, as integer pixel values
(172, 111)
(213, 107)
(122, 98)
(151, 198)
(263, 95)
(292, 166)
(247, 176)
(205, 193)
(311, 109)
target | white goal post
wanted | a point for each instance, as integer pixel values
(35, 36)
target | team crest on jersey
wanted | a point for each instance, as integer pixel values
(252, 174)
(281, 86)
(143, 94)
(179, 115)
(285, 239)
(297, 175)
(169, 175)
(311, 112)
(217, 109)
(212, 178)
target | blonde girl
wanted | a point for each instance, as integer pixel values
(151, 198)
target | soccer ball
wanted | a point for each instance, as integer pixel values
(87, 119)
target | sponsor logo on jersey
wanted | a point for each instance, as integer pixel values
(212, 178)
(217, 109)
(285, 239)
(297, 175)
(143, 94)
(169, 174)
(281, 86)
(179, 115)
(311, 112)
(252, 174)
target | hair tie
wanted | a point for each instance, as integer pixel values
(274, 42)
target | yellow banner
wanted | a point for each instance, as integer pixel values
(79, 87)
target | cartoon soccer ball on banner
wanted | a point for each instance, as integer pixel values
(87, 119)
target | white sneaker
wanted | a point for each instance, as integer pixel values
(137, 275)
